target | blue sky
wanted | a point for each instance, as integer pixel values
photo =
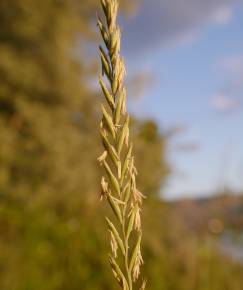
(191, 53)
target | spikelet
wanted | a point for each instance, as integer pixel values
(119, 186)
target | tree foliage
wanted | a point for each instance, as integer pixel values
(48, 127)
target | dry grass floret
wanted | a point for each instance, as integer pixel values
(119, 186)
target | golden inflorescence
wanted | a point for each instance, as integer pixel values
(119, 186)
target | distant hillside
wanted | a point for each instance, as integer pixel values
(218, 213)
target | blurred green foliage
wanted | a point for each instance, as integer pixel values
(52, 232)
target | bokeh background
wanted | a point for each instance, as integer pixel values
(185, 87)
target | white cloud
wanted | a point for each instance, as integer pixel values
(172, 22)
(224, 104)
(230, 96)
(231, 70)
(223, 15)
